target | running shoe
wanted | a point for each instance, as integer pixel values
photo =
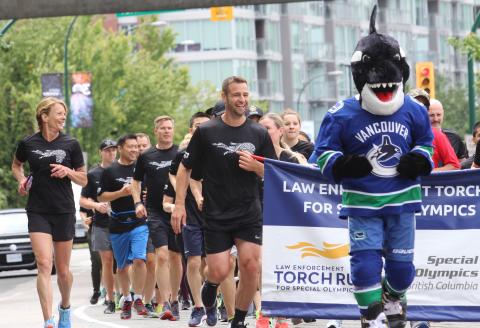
(375, 317)
(281, 323)
(238, 325)
(119, 301)
(151, 311)
(198, 317)
(175, 311)
(95, 297)
(64, 318)
(165, 312)
(50, 323)
(223, 313)
(297, 321)
(126, 310)
(262, 321)
(186, 305)
(419, 324)
(334, 324)
(140, 307)
(110, 307)
(211, 315)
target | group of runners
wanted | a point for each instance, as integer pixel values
(157, 205)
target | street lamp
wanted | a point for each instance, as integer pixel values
(65, 69)
(307, 83)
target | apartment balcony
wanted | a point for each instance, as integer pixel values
(422, 56)
(318, 52)
(269, 89)
(265, 48)
(321, 92)
(389, 16)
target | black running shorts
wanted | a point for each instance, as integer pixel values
(219, 240)
(60, 226)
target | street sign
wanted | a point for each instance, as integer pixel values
(221, 13)
(143, 13)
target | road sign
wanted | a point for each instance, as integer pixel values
(143, 13)
(221, 13)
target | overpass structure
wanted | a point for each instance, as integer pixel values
(15, 9)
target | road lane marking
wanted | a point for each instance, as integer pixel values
(80, 313)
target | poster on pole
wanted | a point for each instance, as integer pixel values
(305, 263)
(52, 85)
(81, 101)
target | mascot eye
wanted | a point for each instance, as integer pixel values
(366, 59)
(396, 57)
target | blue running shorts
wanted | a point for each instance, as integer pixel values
(129, 246)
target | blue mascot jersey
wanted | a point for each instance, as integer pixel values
(349, 129)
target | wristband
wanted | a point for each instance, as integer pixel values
(138, 203)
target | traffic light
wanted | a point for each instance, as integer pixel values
(426, 77)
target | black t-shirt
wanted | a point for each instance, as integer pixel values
(113, 179)
(152, 168)
(457, 143)
(194, 216)
(91, 191)
(303, 147)
(229, 191)
(48, 194)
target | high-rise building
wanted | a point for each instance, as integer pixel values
(298, 54)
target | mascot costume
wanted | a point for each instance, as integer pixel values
(377, 145)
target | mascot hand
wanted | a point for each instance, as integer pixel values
(351, 166)
(412, 165)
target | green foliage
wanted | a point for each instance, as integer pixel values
(132, 83)
(455, 104)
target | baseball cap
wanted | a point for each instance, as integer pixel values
(219, 108)
(420, 93)
(254, 111)
(107, 143)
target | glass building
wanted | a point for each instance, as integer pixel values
(297, 55)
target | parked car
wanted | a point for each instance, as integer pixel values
(80, 231)
(15, 248)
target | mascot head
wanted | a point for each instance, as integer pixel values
(379, 71)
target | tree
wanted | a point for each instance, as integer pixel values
(132, 82)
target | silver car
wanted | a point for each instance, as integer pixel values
(15, 248)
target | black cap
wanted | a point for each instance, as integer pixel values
(219, 108)
(254, 111)
(107, 143)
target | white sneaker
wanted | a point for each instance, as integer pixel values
(334, 324)
(375, 317)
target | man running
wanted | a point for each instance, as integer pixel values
(128, 233)
(153, 166)
(101, 220)
(221, 149)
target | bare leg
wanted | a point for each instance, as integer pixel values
(228, 289)
(139, 273)
(176, 271)
(150, 279)
(249, 265)
(42, 245)
(195, 278)
(63, 252)
(163, 274)
(107, 272)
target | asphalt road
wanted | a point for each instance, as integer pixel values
(19, 305)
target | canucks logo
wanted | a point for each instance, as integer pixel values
(384, 158)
